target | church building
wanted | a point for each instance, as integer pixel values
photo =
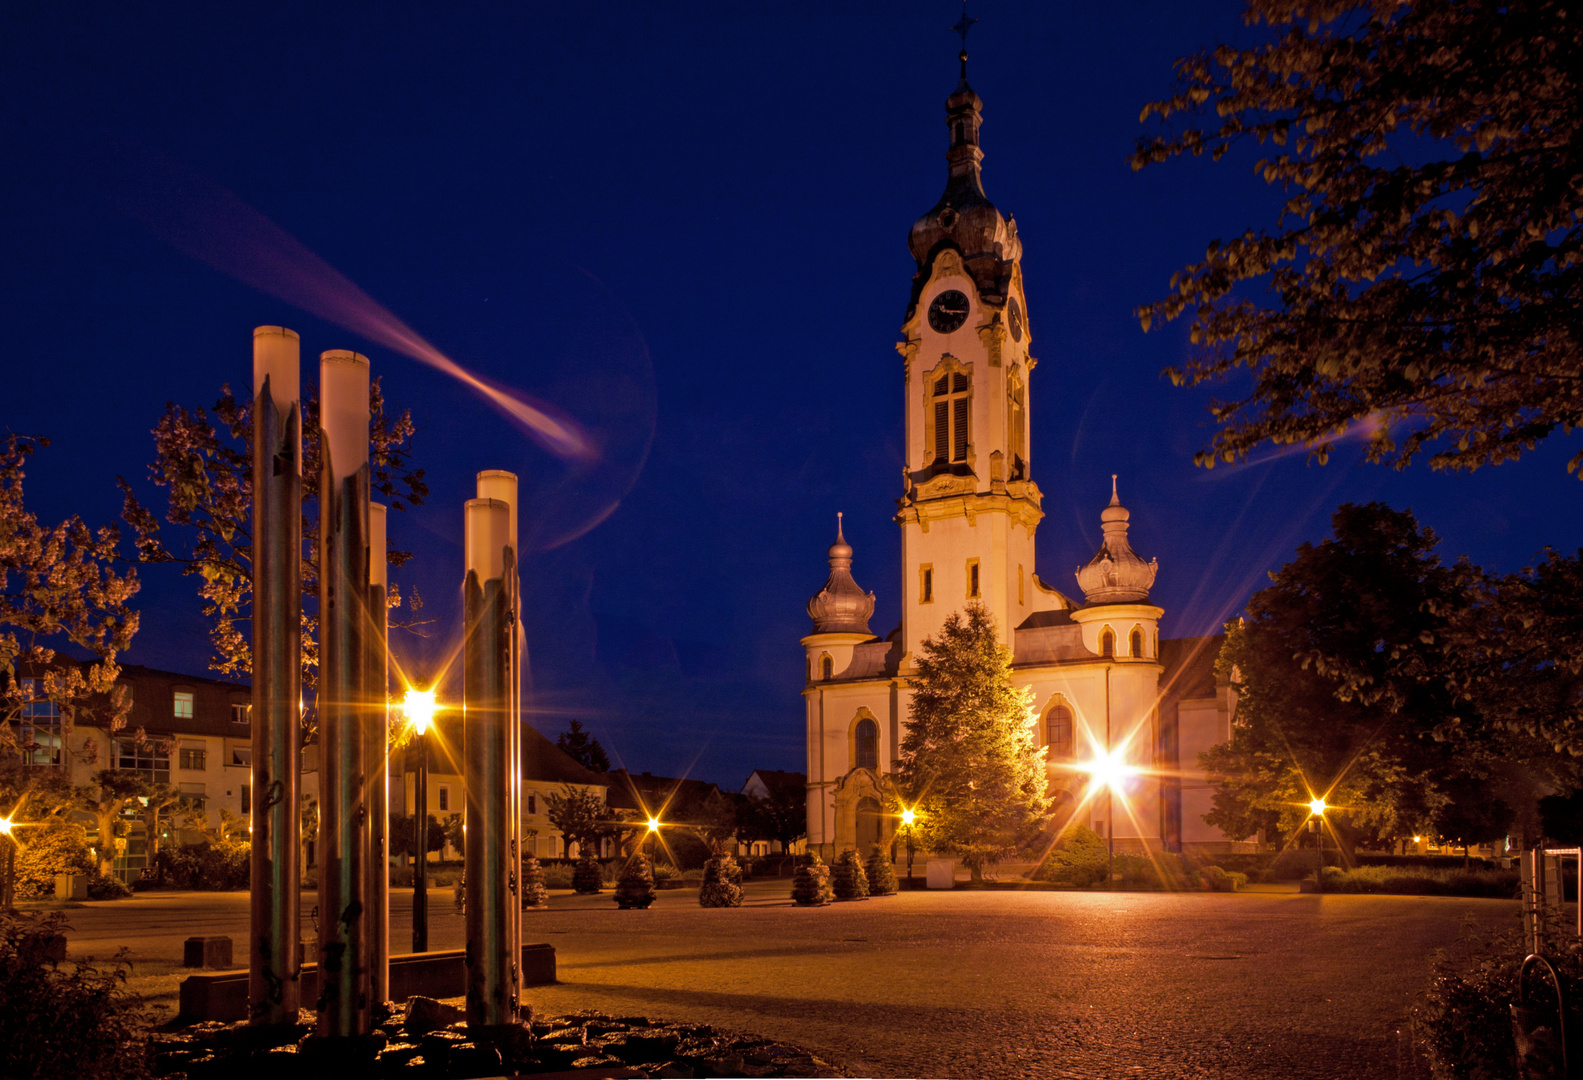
(1110, 697)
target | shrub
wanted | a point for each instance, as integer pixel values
(1079, 858)
(722, 885)
(1494, 884)
(107, 887)
(588, 877)
(847, 879)
(1295, 864)
(664, 872)
(881, 874)
(61, 847)
(636, 887)
(534, 893)
(1215, 879)
(63, 1019)
(811, 885)
(209, 866)
(558, 876)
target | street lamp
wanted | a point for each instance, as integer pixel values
(908, 816)
(1110, 771)
(7, 865)
(1316, 818)
(654, 830)
(419, 707)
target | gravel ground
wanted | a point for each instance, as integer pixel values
(969, 983)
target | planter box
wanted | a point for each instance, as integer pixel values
(71, 887)
(941, 873)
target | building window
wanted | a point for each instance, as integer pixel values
(240, 714)
(926, 584)
(1058, 732)
(182, 706)
(247, 798)
(1017, 428)
(826, 668)
(148, 760)
(40, 735)
(867, 744)
(445, 797)
(241, 756)
(192, 756)
(948, 411)
(1107, 643)
(1137, 643)
(972, 579)
(533, 803)
(193, 796)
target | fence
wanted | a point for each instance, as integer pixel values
(1543, 878)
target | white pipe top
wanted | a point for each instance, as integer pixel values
(488, 532)
(502, 486)
(343, 410)
(377, 566)
(277, 356)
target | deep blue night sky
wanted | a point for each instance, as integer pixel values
(706, 204)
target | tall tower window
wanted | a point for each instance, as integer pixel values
(827, 669)
(867, 738)
(1137, 643)
(972, 579)
(926, 585)
(1019, 584)
(1107, 643)
(1017, 428)
(1058, 732)
(948, 405)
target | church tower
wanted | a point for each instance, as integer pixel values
(969, 506)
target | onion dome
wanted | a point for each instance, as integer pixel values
(964, 218)
(1117, 574)
(841, 607)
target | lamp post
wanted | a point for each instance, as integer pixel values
(654, 831)
(1316, 819)
(907, 818)
(419, 707)
(7, 866)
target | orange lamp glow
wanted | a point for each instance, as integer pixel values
(654, 824)
(419, 707)
(1316, 807)
(908, 817)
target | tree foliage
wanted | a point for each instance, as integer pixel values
(583, 748)
(782, 817)
(580, 814)
(969, 764)
(205, 461)
(1424, 270)
(1343, 690)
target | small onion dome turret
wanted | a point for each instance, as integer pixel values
(841, 607)
(1117, 574)
(964, 218)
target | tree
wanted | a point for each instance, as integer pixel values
(1342, 692)
(782, 817)
(108, 798)
(159, 799)
(207, 465)
(583, 748)
(404, 835)
(969, 763)
(580, 814)
(1425, 265)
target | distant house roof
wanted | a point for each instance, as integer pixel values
(647, 793)
(542, 760)
(779, 783)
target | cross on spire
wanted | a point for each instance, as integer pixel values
(963, 25)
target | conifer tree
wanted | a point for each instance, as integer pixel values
(534, 894)
(636, 887)
(722, 885)
(848, 880)
(881, 874)
(811, 886)
(969, 764)
(588, 876)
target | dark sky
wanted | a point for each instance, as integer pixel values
(691, 216)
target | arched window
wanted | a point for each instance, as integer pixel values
(1107, 643)
(827, 668)
(948, 410)
(1058, 733)
(1137, 642)
(1017, 428)
(867, 744)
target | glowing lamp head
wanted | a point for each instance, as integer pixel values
(654, 825)
(1418, 839)
(419, 706)
(908, 817)
(1316, 807)
(1109, 770)
(5, 826)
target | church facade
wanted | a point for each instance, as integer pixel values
(1109, 696)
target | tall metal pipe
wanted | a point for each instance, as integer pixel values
(492, 995)
(274, 990)
(376, 752)
(501, 486)
(420, 841)
(342, 698)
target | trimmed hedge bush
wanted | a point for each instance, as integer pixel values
(811, 886)
(1494, 884)
(722, 885)
(557, 876)
(534, 893)
(881, 874)
(1215, 879)
(61, 847)
(205, 866)
(588, 876)
(636, 887)
(848, 880)
(1078, 858)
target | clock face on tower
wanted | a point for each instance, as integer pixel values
(948, 311)
(1014, 316)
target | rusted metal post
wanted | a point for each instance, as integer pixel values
(492, 996)
(342, 705)
(376, 752)
(274, 990)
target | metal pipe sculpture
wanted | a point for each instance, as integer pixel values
(492, 994)
(274, 990)
(342, 698)
(502, 486)
(376, 752)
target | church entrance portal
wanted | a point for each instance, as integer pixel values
(868, 823)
